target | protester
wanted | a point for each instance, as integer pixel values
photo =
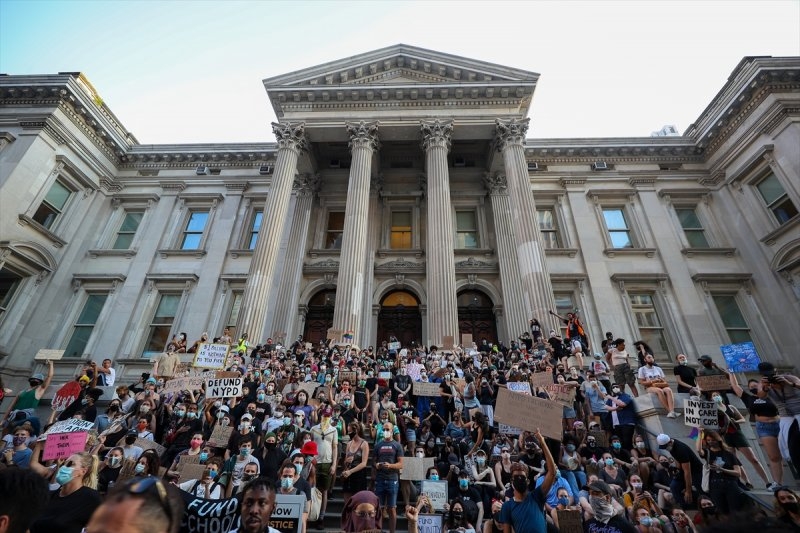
(23, 496)
(140, 505)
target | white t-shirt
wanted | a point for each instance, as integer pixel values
(649, 373)
(325, 441)
(200, 489)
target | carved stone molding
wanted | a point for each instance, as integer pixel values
(495, 182)
(363, 135)
(400, 265)
(436, 133)
(328, 265)
(471, 262)
(290, 135)
(172, 187)
(400, 279)
(376, 183)
(511, 131)
(306, 184)
(237, 187)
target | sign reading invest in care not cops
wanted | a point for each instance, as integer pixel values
(224, 387)
(211, 355)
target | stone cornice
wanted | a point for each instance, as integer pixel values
(612, 150)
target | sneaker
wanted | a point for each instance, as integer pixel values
(773, 486)
(672, 414)
(748, 486)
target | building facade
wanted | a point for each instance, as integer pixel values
(402, 197)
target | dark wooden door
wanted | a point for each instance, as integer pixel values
(403, 322)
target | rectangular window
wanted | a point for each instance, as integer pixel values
(9, 285)
(52, 205)
(548, 228)
(128, 229)
(160, 326)
(650, 329)
(193, 234)
(692, 228)
(84, 326)
(618, 230)
(236, 305)
(334, 231)
(401, 230)
(732, 318)
(564, 303)
(255, 229)
(776, 199)
(466, 229)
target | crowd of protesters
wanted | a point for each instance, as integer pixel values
(312, 417)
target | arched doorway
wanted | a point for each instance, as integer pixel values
(400, 317)
(319, 318)
(476, 317)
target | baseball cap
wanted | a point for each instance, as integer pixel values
(151, 380)
(600, 486)
(38, 376)
(766, 368)
(247, 416)
(662, 440)
(84, 379)
(327, 411)
(704, 357)
(224, 409)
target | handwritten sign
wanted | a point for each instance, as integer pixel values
(394, 346)
(414, 468)
(71, 425)
(211, 355)
(522, 387)
(45, 355)
(569, 521)
(288, 513)
(191, 471)
(541, 379)
(224, 387)
(62, 445)
(700, 414)
(447, 342)
(529, 413)
(741, 357)
(220, 436)
(713, 382)
(309, 387)
(600, 437)
(190, 383)
(429, 523)
(334, 334)
(423, 388)
(466, 340)
(563, 394)
(436, 491)
(67, 394)
(348, 375)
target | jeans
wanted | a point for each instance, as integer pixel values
(576, 480)
(386, 491)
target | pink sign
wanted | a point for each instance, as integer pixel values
(62, 445)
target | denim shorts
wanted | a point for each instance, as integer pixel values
(768, 429)
(386, 491)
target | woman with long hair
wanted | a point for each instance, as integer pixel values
(457, 519)
(726, 471)
(356, 457)
(787, 507)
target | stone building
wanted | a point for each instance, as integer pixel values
(398, 200)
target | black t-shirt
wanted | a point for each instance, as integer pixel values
(69, 514)
(588, 452)
(408, 411)
(684, 454)
(617, 524)
(472, 494)
(759, 406)
(687, 375)
(388, 451)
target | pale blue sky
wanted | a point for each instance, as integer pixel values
(185, 71)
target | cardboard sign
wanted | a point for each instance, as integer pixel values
(71, 425)
(429, 523)
(187, 459)
(529, 413)
(146, 444)
(348, 375)
(211, 355)
(447, 342)
(414, 468)
(600, 437)
(287, 517)
(191, 383)
(563, 394)
(62, 445)
(224, 387)
(413, 370)
(220, 436)
(48, 355)
(436, 491)
(334, 335)
(522, 387)
(713, 382)
(541, 379)
(204, 516)
(569, 521)
(394, 346)
(741, 357)
(700, 414)
(226, 374)
(309, 346)
(421, 388)
(466, 340)
(309, 387)
(191, 471)
(67, 394)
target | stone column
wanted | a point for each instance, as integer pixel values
(352, 260)
(289, 288)
(516, 309)
(440, 268)
(535, 277)
(256, 298)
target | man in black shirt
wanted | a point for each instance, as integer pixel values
(690, 467)
(604, 519)
(469, 492)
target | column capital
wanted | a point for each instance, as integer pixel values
(306, 184)
(363, 135)
(495, 182)
(436, 133)
(510, 131)
(290, 135)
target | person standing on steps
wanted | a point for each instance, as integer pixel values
(388, 463)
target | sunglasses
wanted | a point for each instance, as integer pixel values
(145, 486)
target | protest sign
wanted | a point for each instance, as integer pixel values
(62, 445)
(220, 436)
(569, 521)
(45, 355)
(414, 468)
(394, 346)
(190, 383)
(224, 387)
(146, 444)
(436, 491)
(429, 523)
(466, 340)
(288, 513)
(541, 379)
(447, 342)
(423, 388)
(522, 387)
(529, 413)
(211, 355)
(191, 471)
(70, 425)
(563, 394)
(204, 516)
(221, 374)
(413, 370)
(348, 375)
(700, 414)
(186, 459)
(67, 394)
(309, 387)
(309, 346)
(741, 357)
(334, 335)
(713, 382)
(385, 375)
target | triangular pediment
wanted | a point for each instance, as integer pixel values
(401, 64)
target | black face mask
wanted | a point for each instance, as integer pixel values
(457, 516)
(708, 510)
(270, 445)
(520, 484)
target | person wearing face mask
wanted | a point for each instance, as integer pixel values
(685, 375)
(611, 474)
(457, 519)
(186, 423)
(388, 460)
(726, 472)
(621, 415)
(689, 469)
(709, 515)
(356, 458)
(565, 503)
(787, 508)
(594, 392)
(29, 399)
(205, 487)
(569, 465)
(110, 469)
(681, 523)
(636, 497)
(524, 510)
(484, 480)
(83, 405)
(645, 521)
(233, 469)
(409, 420)
(71, 506)
(622, 457)
(19, 454)
(326, 438)
(270, 456)
(147, 465)
(244, 429)
(287, 485)
(130, 449)
(362, 512)
(195, 450)
(604, 518)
